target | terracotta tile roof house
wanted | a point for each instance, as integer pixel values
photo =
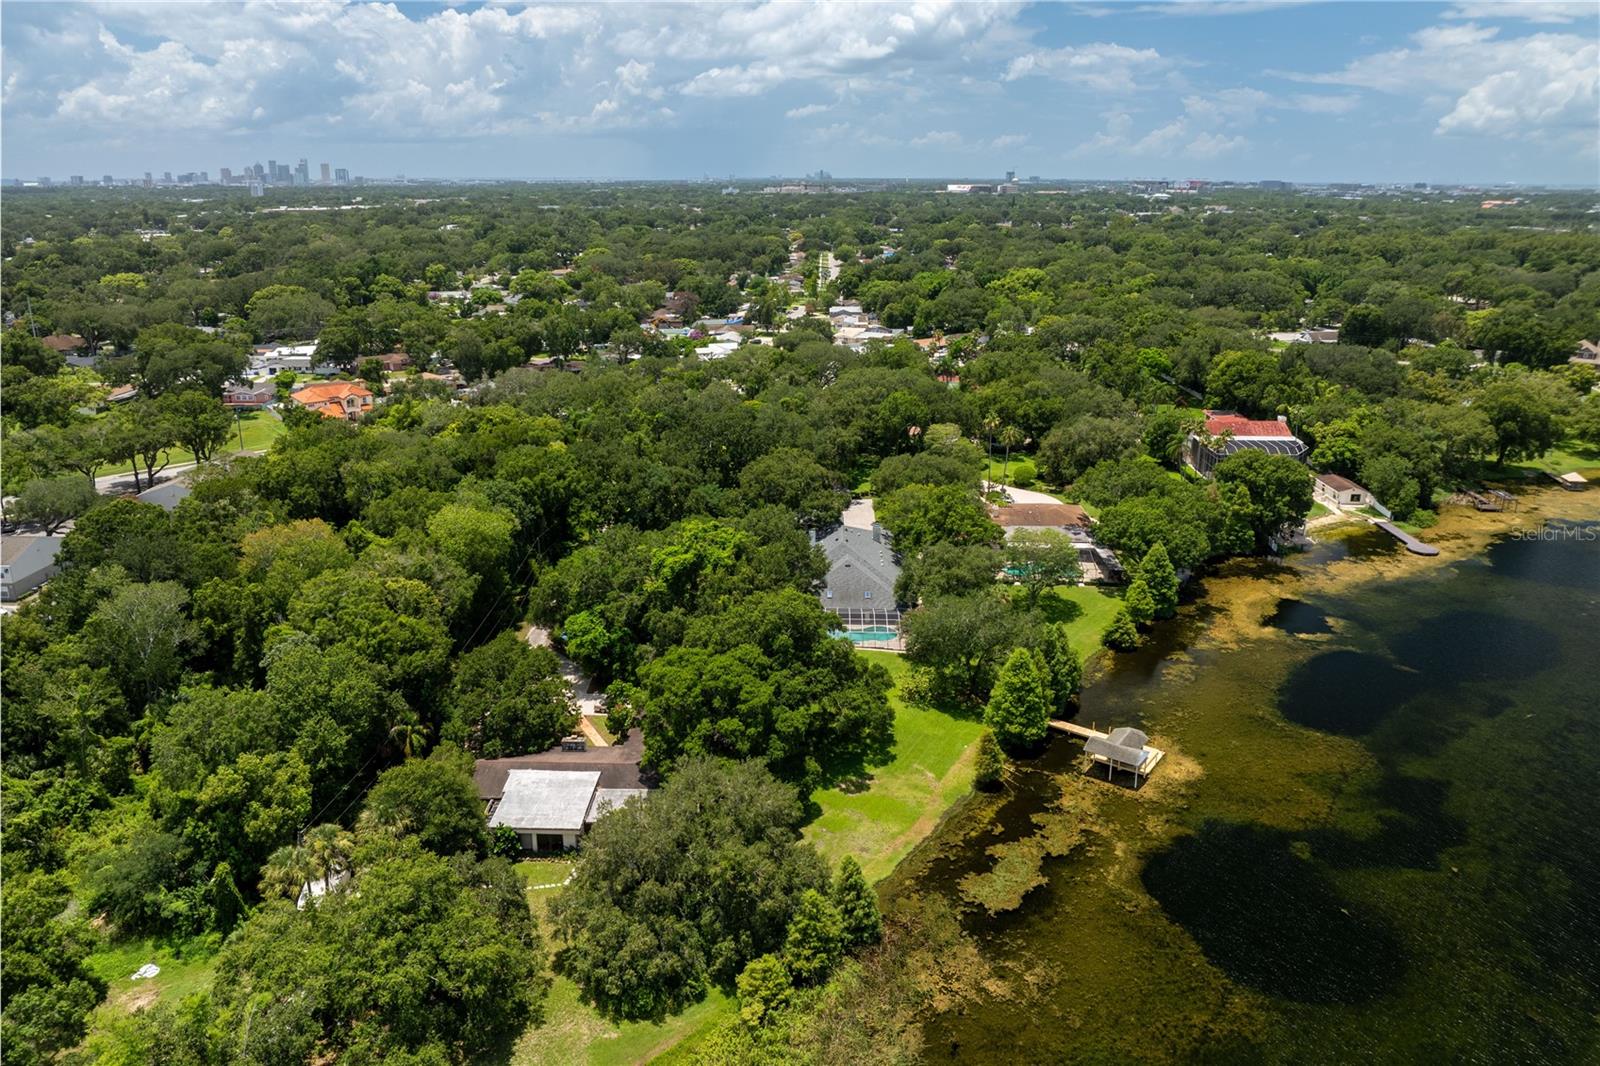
(1226, 433)
(62, 342)
(1218, 424)
(1096, 562)
(335, 399)
(1040, 516)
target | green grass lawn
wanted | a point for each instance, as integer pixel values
(878, 820)
(1559, 460)
(997, 471)
(260, 429)
(572, 1031)
(1318, 510)
(186, 968)
(1086, 609)
(901, 802)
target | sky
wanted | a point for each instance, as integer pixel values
(1448, 92)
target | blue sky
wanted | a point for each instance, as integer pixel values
(1470, 91)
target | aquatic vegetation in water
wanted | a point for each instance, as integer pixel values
(1298, 617)
(1345, 692)
(1019, 866)
(1270, 919)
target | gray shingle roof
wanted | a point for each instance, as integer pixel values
(606, 799)
(27, 562)
(862, 569)
(1124, 746)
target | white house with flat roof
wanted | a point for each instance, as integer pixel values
(550, 809)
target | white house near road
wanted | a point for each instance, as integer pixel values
(551, 809)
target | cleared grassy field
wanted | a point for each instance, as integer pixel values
(882, 817)
(185, 970)
(1559, 460)
(260, 429)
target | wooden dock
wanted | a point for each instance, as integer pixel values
(1073, 729)
(1413, 545)
(1083, 732)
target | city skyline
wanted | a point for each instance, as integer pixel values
(1468, 92)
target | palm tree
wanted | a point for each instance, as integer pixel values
(1011, 437)
(286, 873)
(410, 734)
(327, 849)
(990, 424)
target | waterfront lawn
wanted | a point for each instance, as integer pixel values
(1564, 458)
(1087, 610)
(880, 819)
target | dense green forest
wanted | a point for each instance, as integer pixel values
(287, 677)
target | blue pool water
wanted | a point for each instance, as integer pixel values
(859, 635)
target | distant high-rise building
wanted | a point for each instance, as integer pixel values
(147, 181)
(205, 177)
(325, 177)
(45, 182)
(257, 189)
(226, 175)
(166, 177)
(76, 179)
(342, 176)
(106, 180)
(272, 170)
(302, 173)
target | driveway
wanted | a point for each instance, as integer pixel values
(1025, 495)
(590, 701)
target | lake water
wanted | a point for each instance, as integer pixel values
(1376, 837)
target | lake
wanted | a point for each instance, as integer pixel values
(1376, 836)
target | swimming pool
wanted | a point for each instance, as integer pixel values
(879, 633)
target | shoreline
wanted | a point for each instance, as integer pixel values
(1090, 844)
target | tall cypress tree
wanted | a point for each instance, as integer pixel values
(1121, 634)
(1161, 579)
(857, 904)
(1019, 708)
(816, 939)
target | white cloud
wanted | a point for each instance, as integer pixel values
(1008, 140)
(1527, 86)
(1177, 139)
(749, 80)
(1104, 67)
(1211, 145)
(806, 111)
(1317, 104)
(231, 68)
(937, 139)
(1526, 10)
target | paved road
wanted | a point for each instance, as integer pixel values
(115, 484)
